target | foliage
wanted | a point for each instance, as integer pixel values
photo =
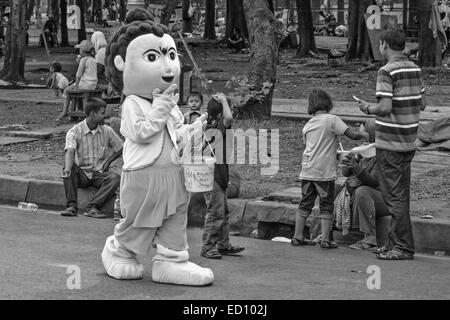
(244, 92)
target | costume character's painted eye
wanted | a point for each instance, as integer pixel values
(151, 57)
(172, 55)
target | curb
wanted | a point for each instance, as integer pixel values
(46, 194)
(278, 219)
(3, 99)
(246, 215)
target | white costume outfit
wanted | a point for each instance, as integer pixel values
(154, 200)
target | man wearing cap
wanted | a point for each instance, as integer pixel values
(86, 77)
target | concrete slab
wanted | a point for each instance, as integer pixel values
(5, 141)
(431, 235)
(13, 189)
(42, 101)
(237, 209)
(294, 194)
(49, 193)
(347, 110)
(29, 134)
(278, 219)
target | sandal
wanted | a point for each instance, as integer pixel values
(230, 250)
(95, 213)
(301, 242)
(211, 254)
(69, 212)
(395, 255)
(326, 244)
(360, 245)
(380, 250)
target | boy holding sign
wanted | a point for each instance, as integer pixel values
(400, 94)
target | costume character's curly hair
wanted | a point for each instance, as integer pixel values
(138, 22)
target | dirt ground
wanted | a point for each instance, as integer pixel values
(295, 77)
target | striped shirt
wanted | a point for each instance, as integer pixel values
(401, 81)
(92, 145)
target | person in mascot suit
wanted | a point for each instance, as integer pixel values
(142, 63)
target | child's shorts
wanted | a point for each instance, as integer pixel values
(310, 191)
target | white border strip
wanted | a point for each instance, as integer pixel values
(393, 125)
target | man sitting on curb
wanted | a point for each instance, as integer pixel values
(85, 160)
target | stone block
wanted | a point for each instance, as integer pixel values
(13, 189)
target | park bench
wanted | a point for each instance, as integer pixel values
(77, 101)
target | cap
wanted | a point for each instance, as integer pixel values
(85, 46)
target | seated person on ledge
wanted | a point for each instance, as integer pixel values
(366, 203)
(236, 41)
(86, 77)
(86, 165)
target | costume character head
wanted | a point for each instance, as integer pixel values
(142, 56)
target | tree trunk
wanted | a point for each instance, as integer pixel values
(316, 7)
(55, 10)
(341, 12)
(30, 9)
(262, 26)
(305, 29)
(358, 37)
(17, 36)
(90, 5)
(64, 33)
(49, 7)
(82, 30)
(122, 11)
(235, 18)
(187, 20)
(428, 52)
(97, 5)
(167, 11)
(7, 57)
(210, 21)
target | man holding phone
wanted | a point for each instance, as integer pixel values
(400, 94)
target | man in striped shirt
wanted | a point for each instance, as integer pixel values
(87, 144)
(400, 94)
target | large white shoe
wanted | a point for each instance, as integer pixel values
(120, 263)
(172, 267)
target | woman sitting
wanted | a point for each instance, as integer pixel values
(366, 203)
(99, 41)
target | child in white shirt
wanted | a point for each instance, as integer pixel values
(318, 175)
(86, 77)
(57, 81)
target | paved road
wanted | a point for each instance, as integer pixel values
(32, 248)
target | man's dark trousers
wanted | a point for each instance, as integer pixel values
(394, 170)
(106, 183)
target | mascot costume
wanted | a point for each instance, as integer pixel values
(142, 62)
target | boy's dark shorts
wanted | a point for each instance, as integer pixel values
(310, 191)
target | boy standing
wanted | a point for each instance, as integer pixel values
(195, 102)
(216, 238)
(400, 93)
